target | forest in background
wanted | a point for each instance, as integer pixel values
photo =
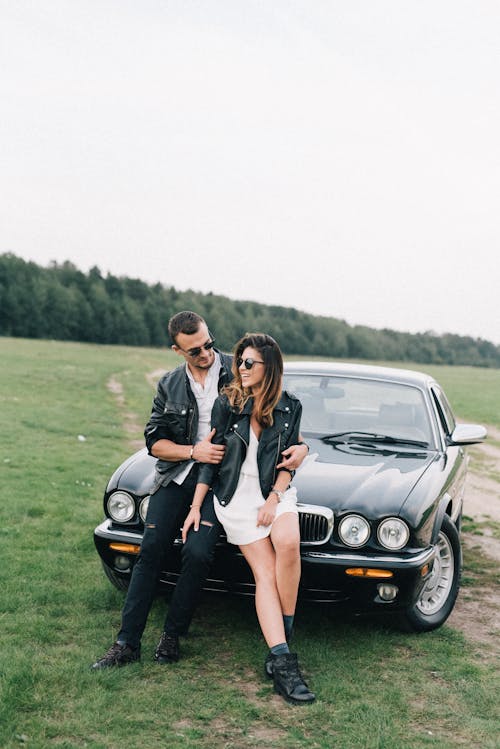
(61, 302)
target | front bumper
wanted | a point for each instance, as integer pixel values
(325, 577)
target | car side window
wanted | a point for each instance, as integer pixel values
(444, 410)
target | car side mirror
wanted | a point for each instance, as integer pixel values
(467, 434)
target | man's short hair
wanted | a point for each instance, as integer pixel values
(186, 322)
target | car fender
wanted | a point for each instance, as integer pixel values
(440, 513)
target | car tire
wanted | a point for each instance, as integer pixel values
(119, 581)
(437, 598)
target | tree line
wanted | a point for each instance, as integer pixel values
(61, 302)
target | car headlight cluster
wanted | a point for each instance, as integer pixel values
(355, 531)
(393, 533)
(121, 507)
(143, 508)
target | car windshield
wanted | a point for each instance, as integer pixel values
(343, 408)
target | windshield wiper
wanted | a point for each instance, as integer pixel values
(353, 436)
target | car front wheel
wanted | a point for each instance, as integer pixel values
(437, 598)
(119, 581)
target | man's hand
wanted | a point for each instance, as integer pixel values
(205, 452)
(293, 457)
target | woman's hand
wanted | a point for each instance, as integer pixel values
(267, 512)
(192, 519)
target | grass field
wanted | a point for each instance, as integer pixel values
(377, 688)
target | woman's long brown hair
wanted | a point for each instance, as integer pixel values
(271, 386)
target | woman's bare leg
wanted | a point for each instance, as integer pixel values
(261, 558)
(285, 537)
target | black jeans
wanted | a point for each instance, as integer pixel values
(167, 510)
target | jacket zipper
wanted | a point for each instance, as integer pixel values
(241, 438)
(235, 431)
(277, 457)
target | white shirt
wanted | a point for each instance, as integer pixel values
(205, 397)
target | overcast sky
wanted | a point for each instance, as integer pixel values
(338, 156)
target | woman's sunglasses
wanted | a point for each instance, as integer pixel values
(248, 363)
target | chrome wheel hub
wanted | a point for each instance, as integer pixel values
(439, 583)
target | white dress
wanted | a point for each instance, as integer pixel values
(239, 516)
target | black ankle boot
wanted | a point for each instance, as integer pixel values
(268, 665)
(288, 681)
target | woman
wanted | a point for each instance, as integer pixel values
(256, 421)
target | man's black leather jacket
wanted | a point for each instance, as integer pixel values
(175, 416)
(233, 430)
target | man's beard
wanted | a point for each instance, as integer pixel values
(204, 366)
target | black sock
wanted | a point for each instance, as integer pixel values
(288, 623)
(280, 649)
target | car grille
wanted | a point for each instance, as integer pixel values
(316, 524)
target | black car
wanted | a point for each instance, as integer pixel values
(381, 496)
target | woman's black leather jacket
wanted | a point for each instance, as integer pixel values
(233, 430)
(175, 416)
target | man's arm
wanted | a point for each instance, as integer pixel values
(204, 451)
(160, 446)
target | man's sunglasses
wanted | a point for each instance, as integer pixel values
(247, 362)
(194, 352)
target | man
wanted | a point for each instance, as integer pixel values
(178, 434)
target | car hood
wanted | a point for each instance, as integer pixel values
(135, 475)
(374, 482)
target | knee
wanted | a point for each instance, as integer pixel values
(288, 548)
(264, 575)
(151, 547)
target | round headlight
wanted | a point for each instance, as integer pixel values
(121, 507)
(143, 508)
(354, 530)
(393, 533)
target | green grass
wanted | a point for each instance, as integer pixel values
(377, 688)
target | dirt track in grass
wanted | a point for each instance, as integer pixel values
(477, 611)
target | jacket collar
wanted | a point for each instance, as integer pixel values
(283, 403)
(226, 361)
(225, 373)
